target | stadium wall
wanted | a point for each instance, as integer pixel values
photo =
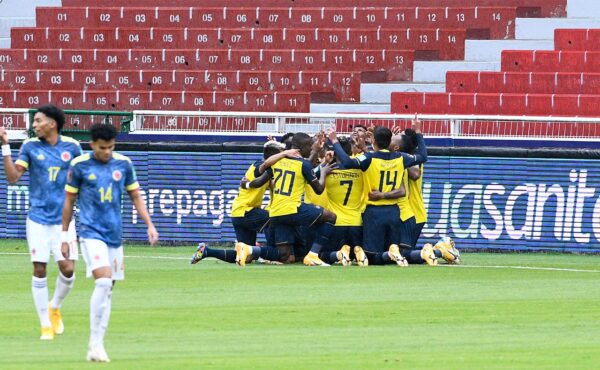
(486, 199)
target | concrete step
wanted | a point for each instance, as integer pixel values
(543, 28)
(350, 108)
(381, 92)
(435, 71)
(583, 9)
(490, 50)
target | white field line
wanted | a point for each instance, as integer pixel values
(443, 265)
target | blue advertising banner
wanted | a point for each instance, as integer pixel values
(484, 203)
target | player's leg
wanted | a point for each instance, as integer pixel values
(246, 229)
(39, 251)
(379, 225)
(66, 274)
(406, 239)
(322, 222)
(99, 263)
(338, 248)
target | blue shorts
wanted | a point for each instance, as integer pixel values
(285, 226)
(379, 223)
(416, 234)
(253, 222)
(346, 235)
(403, 234)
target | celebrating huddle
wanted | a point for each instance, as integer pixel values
(335, 202)
(59, 173)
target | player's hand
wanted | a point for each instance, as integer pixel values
(152, 235)
(64, 249)
(327, 168)
(396, 130)
(370, 134)
(3, 136)
(332, 135)
(243, 182)
(375, 195)
(416, 124)
(328, 157)
(292, 153)
(270, 138)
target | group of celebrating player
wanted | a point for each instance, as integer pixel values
(329, 202)
(333, 200)
(59, 172)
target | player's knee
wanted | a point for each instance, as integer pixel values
(39, 270)
(285, 251)
(67, 268)
(328, 217)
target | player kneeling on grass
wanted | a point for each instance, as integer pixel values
(47, 158)
(100, 179)
(247, 216)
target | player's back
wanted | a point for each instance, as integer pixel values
(345, 191)
(249, 198)
(383, 174)
(406, 210)
(289, 181)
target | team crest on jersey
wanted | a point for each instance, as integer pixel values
(40, 157)
(117, 175)
(92, 177)
(65, 156)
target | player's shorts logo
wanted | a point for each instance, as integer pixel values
(65, 156)
(117, 175)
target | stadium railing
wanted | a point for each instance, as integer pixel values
(442, 126)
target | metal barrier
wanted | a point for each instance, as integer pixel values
(443, 126)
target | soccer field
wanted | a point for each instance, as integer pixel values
(498, 311)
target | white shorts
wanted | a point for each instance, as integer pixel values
(97, 254)
(45, 239)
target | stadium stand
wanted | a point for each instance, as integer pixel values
(559, 82)
(269, 55)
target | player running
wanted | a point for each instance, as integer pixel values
(47, 158)
(100, 179)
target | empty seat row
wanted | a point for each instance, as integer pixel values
(524, 82)
(543, 8)
(448, 43)
(396, 64)
(345, 86)
(499, 20)
(160, 100)
(550, 61)
(577, 39)
(496, 104)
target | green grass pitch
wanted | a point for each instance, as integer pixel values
(167, 314)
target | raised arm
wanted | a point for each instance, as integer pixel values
(14, 171)
(318, 185)
(420, 155)
(345, 160)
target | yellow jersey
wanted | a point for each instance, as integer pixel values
(415, 198)
(406, 210)
(382, 171)
(345, 190)
(290, 177)
(310, 197)
(248, 199)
